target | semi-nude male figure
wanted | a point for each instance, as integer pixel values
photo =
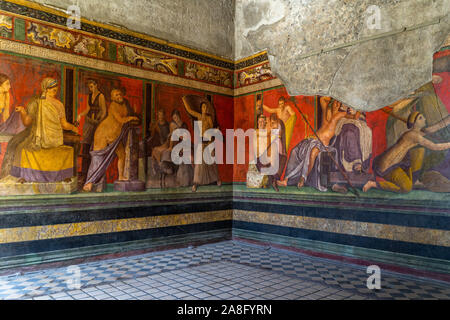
(303, 157)
(109, 130)
(285, 114)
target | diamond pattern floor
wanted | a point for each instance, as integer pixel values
(222, 271)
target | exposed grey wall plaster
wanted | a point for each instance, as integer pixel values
(205, 25)
(366, 76)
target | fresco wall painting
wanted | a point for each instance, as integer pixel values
(90, 98)
(340, 142)
(70, 125)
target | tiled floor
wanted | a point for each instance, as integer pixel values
(223, 271)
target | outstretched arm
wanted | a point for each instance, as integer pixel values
(437, 126)
(68, 126)
(431, 145)
(84, 113)
(26, 119)
(190, 111)
(269, 110)
(324, 102)
(400, 104)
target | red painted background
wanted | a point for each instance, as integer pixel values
(25, 76)
(169, 98)
(244, 113)
(238, 113)
(133, 93)
(304, 103)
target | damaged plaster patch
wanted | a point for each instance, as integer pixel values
(206, 25)
(251, 15)
(366, 76)
(256, 13)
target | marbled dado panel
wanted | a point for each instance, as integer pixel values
(11, 235)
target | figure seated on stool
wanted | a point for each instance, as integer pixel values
(163, 173)
(37, 154)
(304, 165)
(263, 141)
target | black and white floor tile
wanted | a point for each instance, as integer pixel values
(227, 270)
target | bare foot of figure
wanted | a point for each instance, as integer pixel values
(419, 185)
(339, 188)
(274, 186)
(369, 185)
(87, 187)
(301, 183)
(194, 188)
(22, 180)
(219, 183)
(282, 183)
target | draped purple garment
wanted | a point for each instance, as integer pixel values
(348, 141)
(101, 159)
(12, 125)
(298, 164)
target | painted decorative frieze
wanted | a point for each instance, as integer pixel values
(6, 26)
(30, 31)
(254, 75)
(208, 74)
(147, 60)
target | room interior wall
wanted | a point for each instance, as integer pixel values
(407, 231)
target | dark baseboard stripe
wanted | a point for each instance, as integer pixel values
(415, 249)
(111, 250)
(40, 246)
(417, 220)
(15, 220)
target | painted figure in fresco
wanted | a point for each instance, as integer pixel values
(264, 139)
(175, 124)
(5, 86)
(168, 173)
(184, 172)
(259, 107)
(303, 167)
(277, 124)
(204, 174)
(353, 142)
(108, 140)
(435, 174)
(162, 131)
(37, 154)
(159, 132)
(287, 115)
(261, 140)
(10, 123)
(94, 114)
(400, 164)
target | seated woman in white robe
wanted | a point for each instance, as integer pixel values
(37, 154)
